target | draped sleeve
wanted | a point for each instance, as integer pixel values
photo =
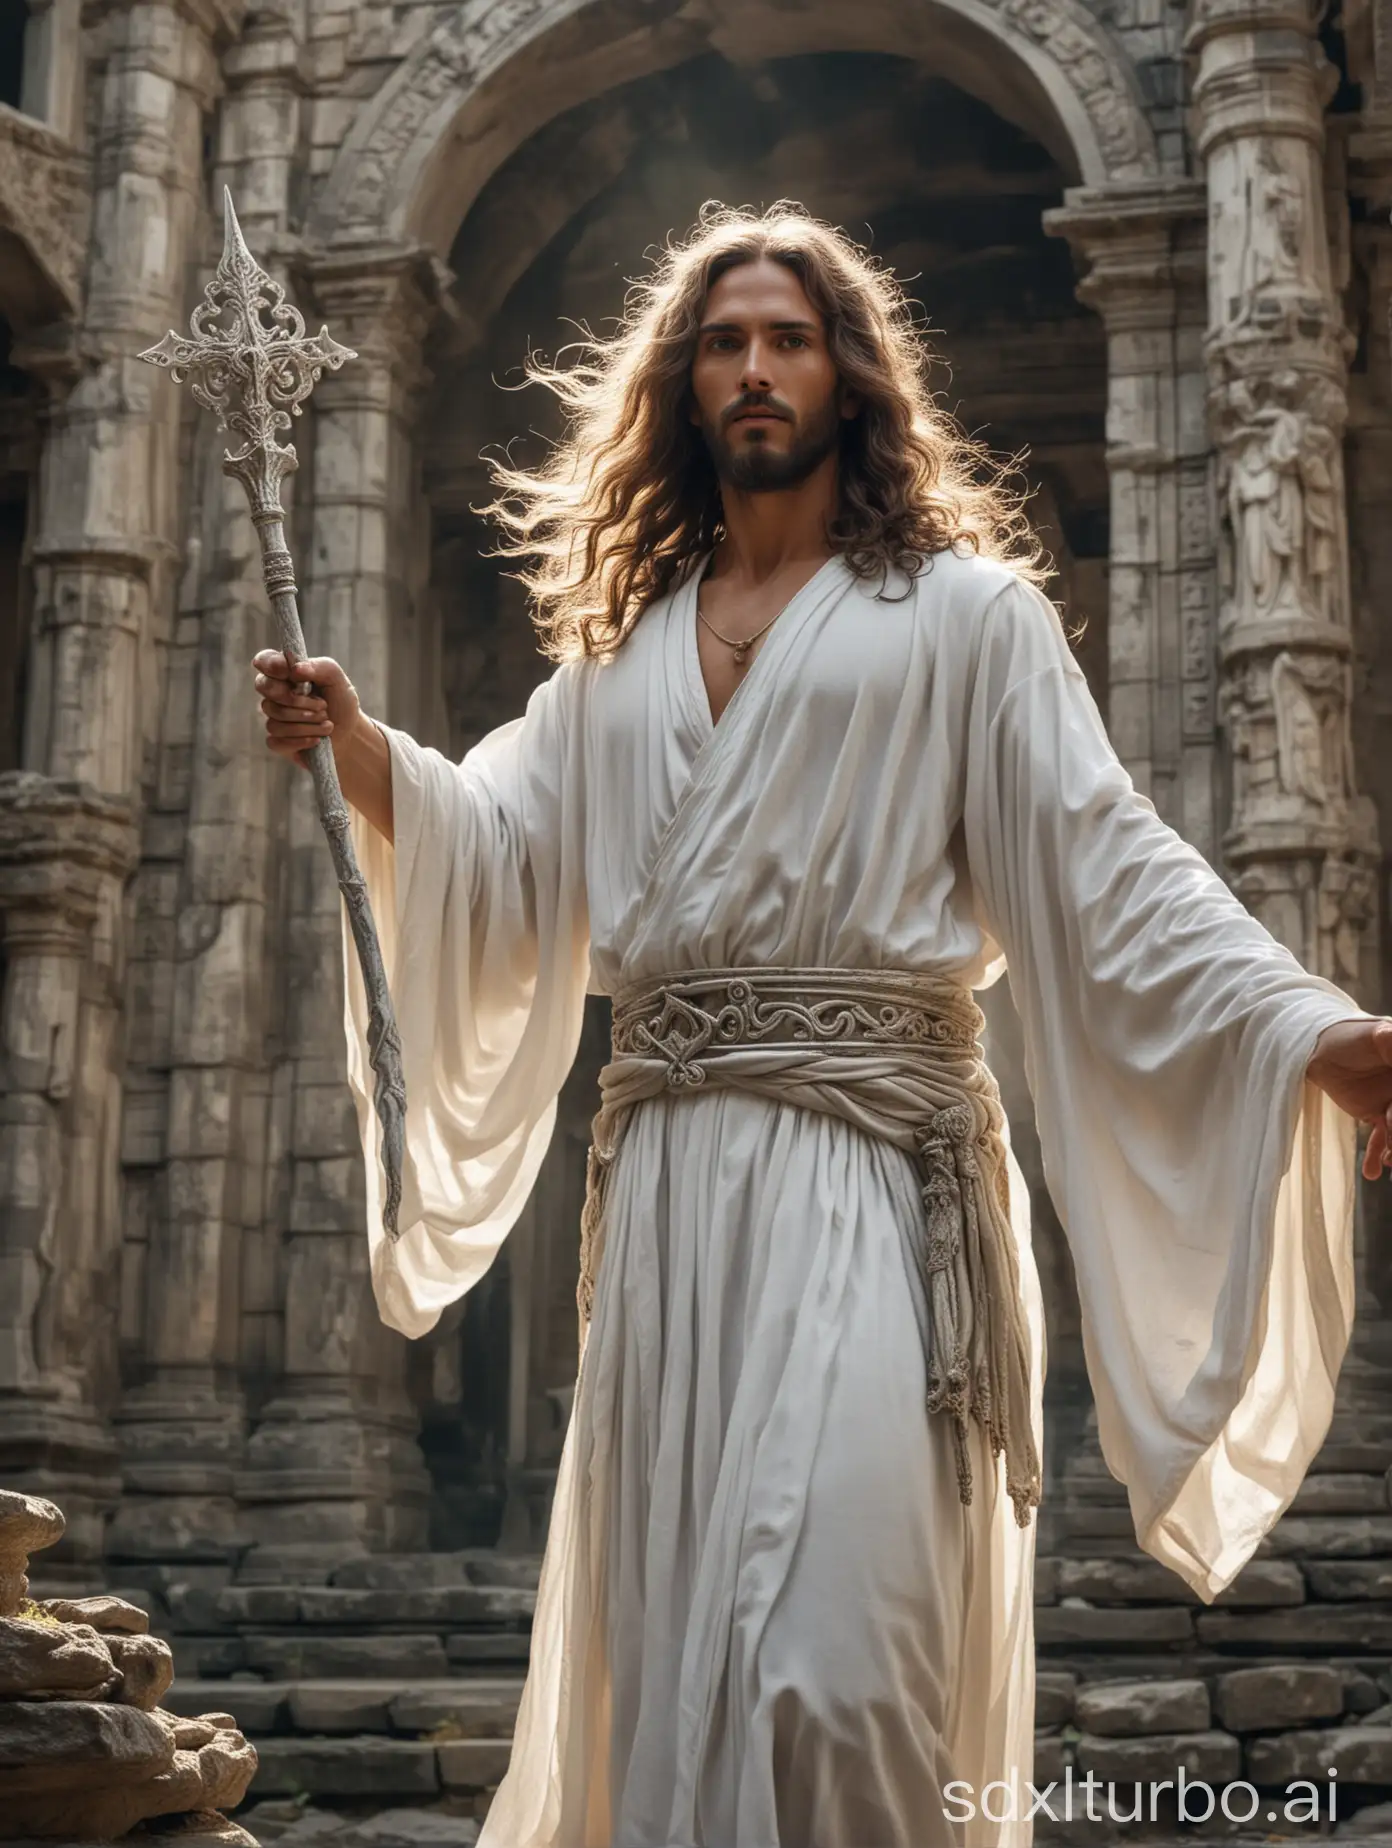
(480, 906)
(1205, 1187)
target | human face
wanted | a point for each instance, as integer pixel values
(766, 397)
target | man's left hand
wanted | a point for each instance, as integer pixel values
(1353, 1062)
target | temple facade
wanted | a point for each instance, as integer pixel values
(1152, 246)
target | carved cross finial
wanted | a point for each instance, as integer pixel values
(249, 359)
(255, 370)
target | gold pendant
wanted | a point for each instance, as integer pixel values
(740, 652)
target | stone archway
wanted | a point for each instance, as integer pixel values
(493, 71)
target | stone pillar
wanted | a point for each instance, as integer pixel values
(1368, 453)
(334, 1466)
(1302, 841)
(182, 1426)
(102, 544)
(51, 88)
(64, 852)
(1141, 248)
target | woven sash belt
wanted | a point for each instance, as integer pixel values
(895, 1054)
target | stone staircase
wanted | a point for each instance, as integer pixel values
(381, 1696)
(1285, 1677)
(381, 1701)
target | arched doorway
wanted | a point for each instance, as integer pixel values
(947, 190)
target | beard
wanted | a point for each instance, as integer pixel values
(756, 468)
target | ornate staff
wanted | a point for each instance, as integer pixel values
(256, 372)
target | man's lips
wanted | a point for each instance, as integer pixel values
(758, 417)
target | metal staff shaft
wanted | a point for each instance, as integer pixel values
(255, 371)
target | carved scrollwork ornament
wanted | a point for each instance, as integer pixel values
(248, 358)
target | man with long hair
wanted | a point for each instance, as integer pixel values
(817, 762)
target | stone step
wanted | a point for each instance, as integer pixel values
(1073, 1623)
(204, 1610)
(1141, 1580)
(465, 1708)
(202, 1830)
(467, 1652)
(278, 1822)
(413, 1571)
(302, 1655)
(1329, 1536)
(368, 1765)
(1323, 1629)
(291, 1565)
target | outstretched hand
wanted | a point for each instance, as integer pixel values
(1352, 1062)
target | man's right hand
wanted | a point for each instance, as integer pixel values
(297, 721)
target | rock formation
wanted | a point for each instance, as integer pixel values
(86, 1752)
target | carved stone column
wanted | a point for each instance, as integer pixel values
(183, 1425)
(102, 544)
(1302, 841)
(52, 86)
(64, 851)
(334, 1466)
(1141, 249)
(1368, 454)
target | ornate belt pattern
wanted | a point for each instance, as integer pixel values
(684, 1018)
(675, 1034)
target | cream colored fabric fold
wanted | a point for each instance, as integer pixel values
(917, 783)
(896, 1054)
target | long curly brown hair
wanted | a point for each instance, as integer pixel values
(628, 500)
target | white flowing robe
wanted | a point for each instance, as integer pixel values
(765, 1620)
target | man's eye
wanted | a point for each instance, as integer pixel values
(795, 339)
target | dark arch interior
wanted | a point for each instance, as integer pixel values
(13, 20)
(18, 458)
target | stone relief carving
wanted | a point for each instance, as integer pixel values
(1309, 697)
(1270, 272)
(473, 39)
(1271, 249)
(1098, 79)
(1285, 717)
(1279, 492)
(1238, 714)
(1278, 893)
(1347, 904)
(451, 60)
(45, 201)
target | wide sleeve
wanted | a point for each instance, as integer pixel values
(480, 907)
(1205, 1187)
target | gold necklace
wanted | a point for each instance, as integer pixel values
(741, 648)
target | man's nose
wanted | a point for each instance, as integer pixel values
(756, 375)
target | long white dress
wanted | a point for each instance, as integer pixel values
(765, 1619)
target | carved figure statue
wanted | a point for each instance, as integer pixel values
(1280, 498)
(1271, 253)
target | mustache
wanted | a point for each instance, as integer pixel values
(769, 404)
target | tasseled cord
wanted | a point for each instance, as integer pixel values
(978, 1363)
